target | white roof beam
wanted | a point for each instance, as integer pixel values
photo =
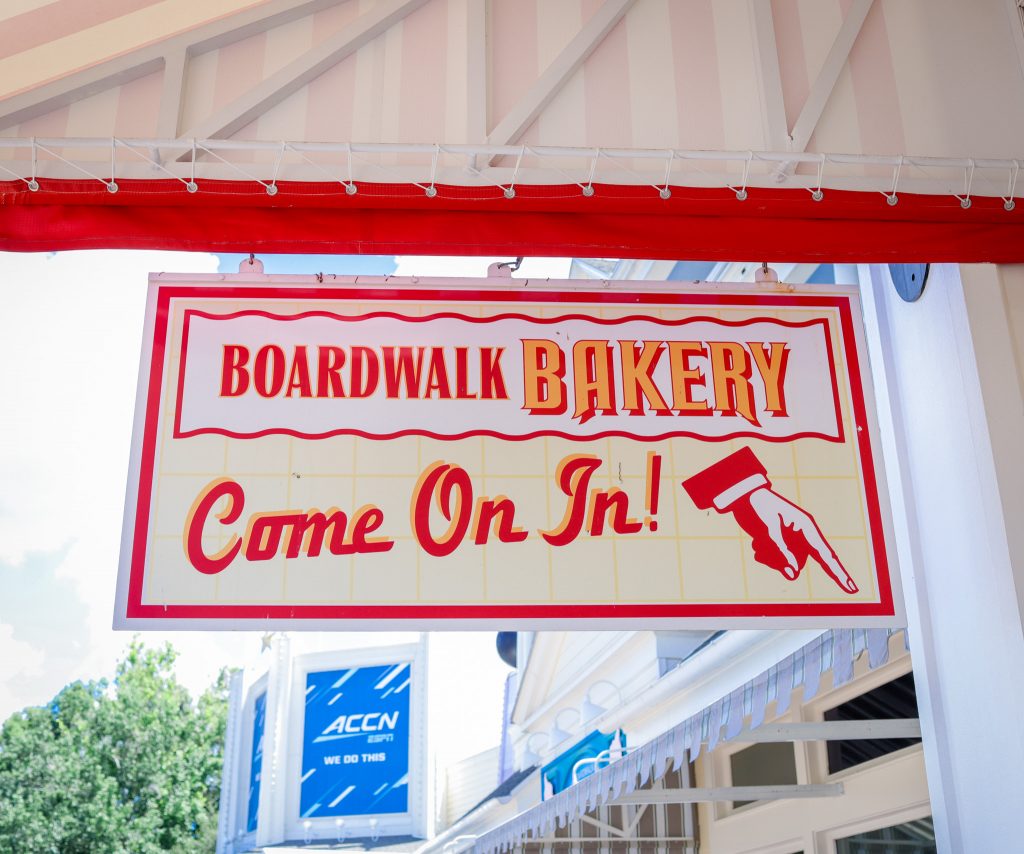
(290, 79)
(477, 79)
(251, 22)
(138, 63)
(172, 91)
(567, 63)
(1015, 9)
(76, 87)
(766, 57)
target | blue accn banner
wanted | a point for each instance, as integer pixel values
(259, 719)
(355, 744)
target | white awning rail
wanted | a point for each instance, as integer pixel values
(433, 166)
(602, 760)
(738, 716)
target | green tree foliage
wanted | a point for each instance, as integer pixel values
(128, 767)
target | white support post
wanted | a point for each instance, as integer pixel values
(271, 822)
(228, 807)
(766, 53)
(948, 391)
(172, 89)
(477, 83)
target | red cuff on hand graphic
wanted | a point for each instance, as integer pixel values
(783, 535)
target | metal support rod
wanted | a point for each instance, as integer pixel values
(537, 165)
(539, 151)
(569, 840)
(833, 731)
(730, 793)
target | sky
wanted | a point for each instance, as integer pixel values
(70, 339)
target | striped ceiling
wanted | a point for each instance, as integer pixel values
(717, 74)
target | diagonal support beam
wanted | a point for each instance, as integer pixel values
(146, 60)
(825, 82)
(821, 91)
(607, 828)
(624, 832)
(567, 63)
(272, 91)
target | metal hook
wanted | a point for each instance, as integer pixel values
(112, 183)
(510, 190)
(192, 186)
(252, 265)
(817, 193)
(965, 199)
(891, 198)
(741, 193)
(32, 183)
(431, 191)
(271, 188)
(1008, 203)
(350, 186)
(588, 190)
(766, 275)
(664, 191)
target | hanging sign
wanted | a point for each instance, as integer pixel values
(452, 454)
(355, 744)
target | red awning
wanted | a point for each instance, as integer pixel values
(618, 221)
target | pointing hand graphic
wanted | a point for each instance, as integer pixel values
(783, 535)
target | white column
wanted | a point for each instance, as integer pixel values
(270, 826)
(422, 765)
(952, 420)
(228, 808)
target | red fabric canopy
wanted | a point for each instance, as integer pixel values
(616, 222)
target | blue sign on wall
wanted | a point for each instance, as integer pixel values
(256, 767)
(355, 744)
(593, 751)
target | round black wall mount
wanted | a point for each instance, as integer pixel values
(909, 280)
(506, 644)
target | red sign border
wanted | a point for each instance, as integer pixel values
(136, 610)
(603, 434)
